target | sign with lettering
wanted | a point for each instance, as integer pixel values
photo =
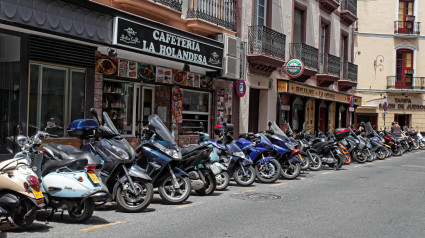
(403, 104)
(162, 42)
(240, 88)
(294, 68)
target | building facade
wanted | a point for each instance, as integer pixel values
(389, 59)
(320, 34)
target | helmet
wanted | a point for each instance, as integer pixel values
(362, 124)
(394, 122)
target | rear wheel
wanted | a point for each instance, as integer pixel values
(244, 177)
(316, 162)
(268, 172)
(172, 195)
(130, 202)
(210, 183)
(25, 206)
(222, 179)
(83, 212)
(291, 171)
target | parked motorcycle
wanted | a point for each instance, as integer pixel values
(159, 154)
(130, 186)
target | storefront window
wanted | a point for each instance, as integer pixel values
(118, 103)
(57, 97)
(9, 91)
(195, 110)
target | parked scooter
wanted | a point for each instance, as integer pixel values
(66, 184)
(20, 193)
(159, 154)
(131, 187)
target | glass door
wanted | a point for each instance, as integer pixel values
(144, 107)
(405, 16)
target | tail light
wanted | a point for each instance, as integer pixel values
(295, 152)
(91, 167)
(33, 180)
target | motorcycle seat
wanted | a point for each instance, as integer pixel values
(399, 138)
(52, 165)
(68, 152)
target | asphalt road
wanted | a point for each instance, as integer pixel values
(379, 199)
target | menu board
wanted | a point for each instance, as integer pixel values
(197, 80)
(190, 79)
(146, 72)
(105, 65)
(179, 77)
(224, 106)
(206, 82)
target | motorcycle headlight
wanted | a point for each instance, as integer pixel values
(172, 153)
(290, 146)
(121, 153)
(239, 154)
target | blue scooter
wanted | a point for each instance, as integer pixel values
(286, 153)
(259, 150)
(237, 164)
(66, 184)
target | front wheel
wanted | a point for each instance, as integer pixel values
(83, 212)
(222, 179)
(397, 151)
(210, 185)
(316, 162)
(174, 195)
(268, 172)
(19, 215)
(130, 202)
(244, 175)
(380, 154)
(305, 162)
(291, 171)
(359, 156)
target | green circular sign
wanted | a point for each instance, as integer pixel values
(294, 68)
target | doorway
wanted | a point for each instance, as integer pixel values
(403, 119)
(144, 106)
(322, 119)
(254, 99)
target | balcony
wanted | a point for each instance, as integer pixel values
(164, 11)
(308, 55)
(407, 28)
(208, 17)
(348, 77)
(329, 70)
(405, 83)
(266, 50)
(328, 6)
(348, 12)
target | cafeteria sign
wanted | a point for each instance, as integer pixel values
(294, 68)
(163, 41)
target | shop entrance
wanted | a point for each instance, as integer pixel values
(254, 99)
(322, 119)
(144, 106)
(372, 118)
(403, 119)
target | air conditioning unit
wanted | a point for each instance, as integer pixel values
(409, 71)
(232, 56)
(410, 18)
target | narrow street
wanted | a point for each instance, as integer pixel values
(379, 199)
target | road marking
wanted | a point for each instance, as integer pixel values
(326, 173)
(182, 206)
(389, 159)
(355, 166)
(277, 184)
(302, 178)
(246, 191)
(101, 226)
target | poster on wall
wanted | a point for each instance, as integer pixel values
(220, 106)
(163, 75)
(190, 79)
(132, 69)
(196, 81)
(177, 105)
(146, 72)
(206, 82)
(105, 65)
(122, 67)
(179, 77)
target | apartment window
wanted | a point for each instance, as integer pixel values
(406, 16)
(260, 7)
(404, 68)
(324, 46)
(57, 97)
(298, 28)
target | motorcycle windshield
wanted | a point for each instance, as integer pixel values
(369, 129)
(232, 147)
(264, 139)
(278, 131)
(111, 126)
(161, 130)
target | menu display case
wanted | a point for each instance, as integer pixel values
(195, 110)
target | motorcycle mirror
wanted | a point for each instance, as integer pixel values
(94, 113)
(269, 124)
(21, 140)
(173, 127)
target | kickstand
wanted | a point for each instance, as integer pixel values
(62, 215)
(50, 216)
(12, 223)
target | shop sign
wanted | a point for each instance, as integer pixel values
(240, 88)
(162, 42)
(351, 109)
(403, 104)
(385, 106)
(285, 107)
(294, 68)
(309, 91)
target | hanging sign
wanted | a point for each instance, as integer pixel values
(385, 106)
(294, 68)
(240, 88)
(168, 42)
(352, 101)
(177, 105)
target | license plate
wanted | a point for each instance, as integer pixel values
(215, 168)
(37, 193)
(93, 177)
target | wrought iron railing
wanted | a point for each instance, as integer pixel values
(407, 27)
(220, 12)
(406, 82)
(352, 72)
(308, 54)
(263, 40)
(344, 72)
(334, 66)
(174, 4)
(350, 5)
